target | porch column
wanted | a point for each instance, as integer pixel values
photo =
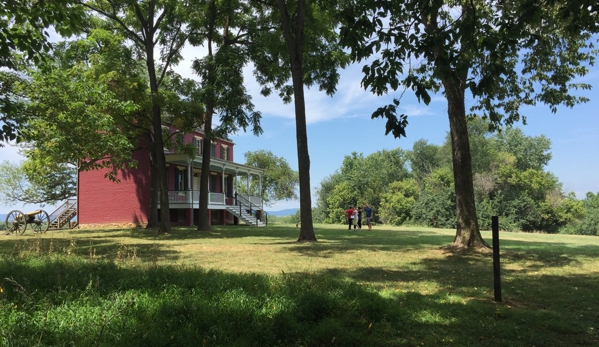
(222, 189)
(248, 185)
(236, 181)
(260, 192)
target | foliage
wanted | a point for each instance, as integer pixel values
(531, 152)
(73, 119)
(279, 181)
(321, 54)
(361, 180)
(24, 32)
(436, 204)
(424, 158)
(156, 31)
(508, 177)
(31, 183)
(505, 56)
(522, 55)
(397, 202)
(587, 222)
(337, 201)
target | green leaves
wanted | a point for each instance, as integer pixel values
(395, 125)
(520, 54)
(279, 181)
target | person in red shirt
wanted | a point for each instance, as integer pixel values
(350, 216)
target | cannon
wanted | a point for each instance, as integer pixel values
(17, 221)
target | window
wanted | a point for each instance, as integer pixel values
(213, 149)
(198, 142)
(224, 152)
(180, 179)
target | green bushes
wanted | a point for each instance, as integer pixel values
(509, 182)
(588, 222)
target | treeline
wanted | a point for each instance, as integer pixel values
(416, 187)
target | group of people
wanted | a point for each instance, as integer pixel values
(354, 217)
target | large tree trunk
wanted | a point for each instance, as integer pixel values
(203, 221)
(467, 234)
(153, 212)
(294, 45)
(303, 157)
(158, 147)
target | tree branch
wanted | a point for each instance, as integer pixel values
(114, 17)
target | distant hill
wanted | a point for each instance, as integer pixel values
(287, 212)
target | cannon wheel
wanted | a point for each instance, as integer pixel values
(16, 222)
(41, 222)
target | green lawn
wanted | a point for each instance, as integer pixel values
(245, 286)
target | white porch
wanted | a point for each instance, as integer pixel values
(216, 201)
(190, 198)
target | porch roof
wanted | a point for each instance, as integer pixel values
(216, 164)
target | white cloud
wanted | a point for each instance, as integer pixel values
(415, 110)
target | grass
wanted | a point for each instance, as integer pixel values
(243, 286)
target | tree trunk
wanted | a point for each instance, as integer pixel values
(294, 45)
(303, 157)
(153, 212)
(467, 234)
(158, 144)
(203, 222)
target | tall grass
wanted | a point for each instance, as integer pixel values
(242, 286)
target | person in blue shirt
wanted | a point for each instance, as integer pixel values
(368, 213)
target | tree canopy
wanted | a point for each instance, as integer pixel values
(504, 55)
(279, 181)
(25, 34)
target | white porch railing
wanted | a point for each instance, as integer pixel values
(216, 198)
(193, 197)
(178, 196)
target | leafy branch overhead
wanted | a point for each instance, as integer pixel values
(507, 55)
(503, 55)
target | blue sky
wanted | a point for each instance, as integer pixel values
(341, 124)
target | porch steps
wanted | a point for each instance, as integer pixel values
(63, 215)
(245, 216)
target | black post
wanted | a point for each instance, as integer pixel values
(496, 266)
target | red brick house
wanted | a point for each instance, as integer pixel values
(102, 202)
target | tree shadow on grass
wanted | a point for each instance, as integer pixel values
(64, 301)
(540, 252)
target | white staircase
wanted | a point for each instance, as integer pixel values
(243, 215)
(64, 215)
